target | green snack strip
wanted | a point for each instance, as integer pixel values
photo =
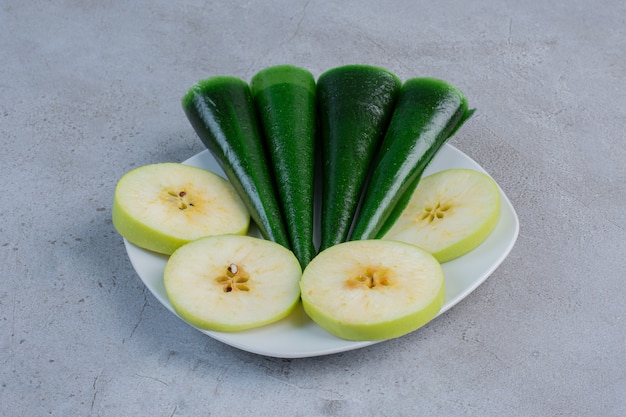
(427, 114)
(355, 103)
(222, 113)
(284, 97)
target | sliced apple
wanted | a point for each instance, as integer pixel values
(231, 283)
(450, 213)
(372, 289)
(162, 206)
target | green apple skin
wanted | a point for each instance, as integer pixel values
(363, 253)
(140, 234)
(379, 331)
(471, 242)
(478, 222)
(163, 235)
(272, 288)
(217, 326)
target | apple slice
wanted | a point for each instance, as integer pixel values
(450, 213)
(230, 282)
(162, 206)
(372, 289)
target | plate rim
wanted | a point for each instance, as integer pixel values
(232, 340)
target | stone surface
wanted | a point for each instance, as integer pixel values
(90, 90)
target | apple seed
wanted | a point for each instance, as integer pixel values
(234, 279)
(181, 199)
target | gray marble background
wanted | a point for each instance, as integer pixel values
(91, 89)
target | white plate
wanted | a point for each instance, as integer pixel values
(297, 336)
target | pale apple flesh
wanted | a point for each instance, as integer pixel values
(160, 207)
(231, 283)
(450, 213)
(372, 289)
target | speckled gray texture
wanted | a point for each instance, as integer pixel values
(89, 90)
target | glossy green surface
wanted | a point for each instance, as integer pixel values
(427, 114)
(285, 100)
(355, 103)
(222, 113)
